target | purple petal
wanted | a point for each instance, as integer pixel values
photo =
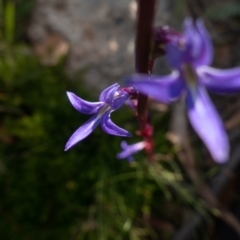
(199, 46)
(207, 123)
(187, 49)
(193, 41)
(109, 127)
(83, 131)
(195, 48)
(108, 94)
(129, 150)
(206, 51)
(82, 105)
(220, 81)
(164, 89)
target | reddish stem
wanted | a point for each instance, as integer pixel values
(145, 18)
(143, 44)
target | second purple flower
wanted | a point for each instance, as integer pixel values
(111, 99)
(189, 56)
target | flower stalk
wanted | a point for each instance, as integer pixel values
(145, 18)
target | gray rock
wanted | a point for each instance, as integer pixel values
(100, 35)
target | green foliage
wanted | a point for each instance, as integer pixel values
(9, 21)
(14, 17)
(84, 193)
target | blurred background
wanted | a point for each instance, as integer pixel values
(50, 47)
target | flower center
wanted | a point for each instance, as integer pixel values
(103, 110)
(190, 75)
(118, 94)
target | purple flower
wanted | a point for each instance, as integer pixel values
(129, 150)
(190, 56)
(111, 99)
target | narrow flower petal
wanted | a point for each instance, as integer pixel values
(220, 81)
(109, 127)
(199, 49)
(129, 150)
(162, 88)
(82, 105)
(206, 50)
(207, 123)
(107, 94)
(193, 41)
(83, 131)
